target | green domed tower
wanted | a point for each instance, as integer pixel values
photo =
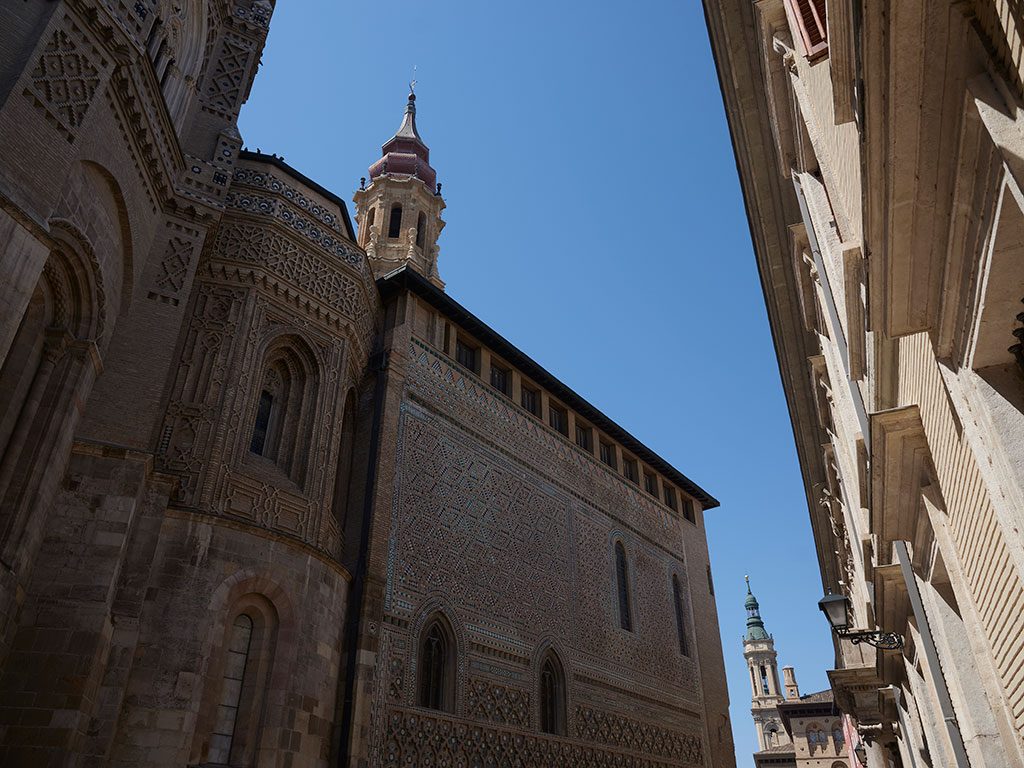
(759, 651)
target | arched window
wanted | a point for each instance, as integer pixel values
(816, 738)
(421, 228)
(677, 599)
(622, 582)
(436, 684)
(395, 222)
(771, 736)
(43, 379)
(231, 714)
(552, 695)
(838, 737)
(371, 217)
(764, 681)
(282, 423)
(236, 660)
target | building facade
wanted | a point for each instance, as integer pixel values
(878, 146)
(268, 495)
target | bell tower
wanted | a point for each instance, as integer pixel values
(399, 211)
(759, 651)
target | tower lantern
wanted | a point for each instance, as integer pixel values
(399, 211)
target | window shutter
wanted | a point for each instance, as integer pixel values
(810, 16)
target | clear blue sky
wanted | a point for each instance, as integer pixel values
(595, 220)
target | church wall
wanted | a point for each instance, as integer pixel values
(204, 572)
(496, 521)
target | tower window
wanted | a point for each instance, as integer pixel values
(501, 378)
(558, 419)
(608, 454)
(552, 696)
(467, 355)
(395, 222)
(530, 399)
(421, 228)
(764, 681)
(436, 689)
(677, 597)
(584, 437)
(622, 582)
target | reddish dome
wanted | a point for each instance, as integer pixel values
(405, 153)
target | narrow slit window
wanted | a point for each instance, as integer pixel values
(552, 697)
(421, 229)
(677, 598)
(622, 582)
(222, 737)
(262, 425)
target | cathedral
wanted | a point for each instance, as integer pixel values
(269, 496)
(793, 731)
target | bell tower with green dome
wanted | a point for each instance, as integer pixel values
(759, 651)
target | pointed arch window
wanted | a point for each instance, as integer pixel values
(677, 599)
(552, 696)
(395, 222)
(622, 583)
(436, 684)
(421, 228)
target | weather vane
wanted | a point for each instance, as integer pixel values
(412, 83)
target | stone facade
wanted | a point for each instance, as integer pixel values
(268, 496)
(879, 148)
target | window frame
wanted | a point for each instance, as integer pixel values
(607, 457)
(585, 432)
(533, 393)
(552, 703)
(631, 469)
(558, 413)
(506, 372)
(444, 694)
(815, 40)
(462, 343)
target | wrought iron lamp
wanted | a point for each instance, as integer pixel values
(837, 610)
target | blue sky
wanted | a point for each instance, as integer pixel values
(595, 220)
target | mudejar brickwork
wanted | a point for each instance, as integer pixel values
(268, 495)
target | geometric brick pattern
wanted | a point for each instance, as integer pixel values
(597, 727)
(418, 738)
(496, 703)
(64, 80)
